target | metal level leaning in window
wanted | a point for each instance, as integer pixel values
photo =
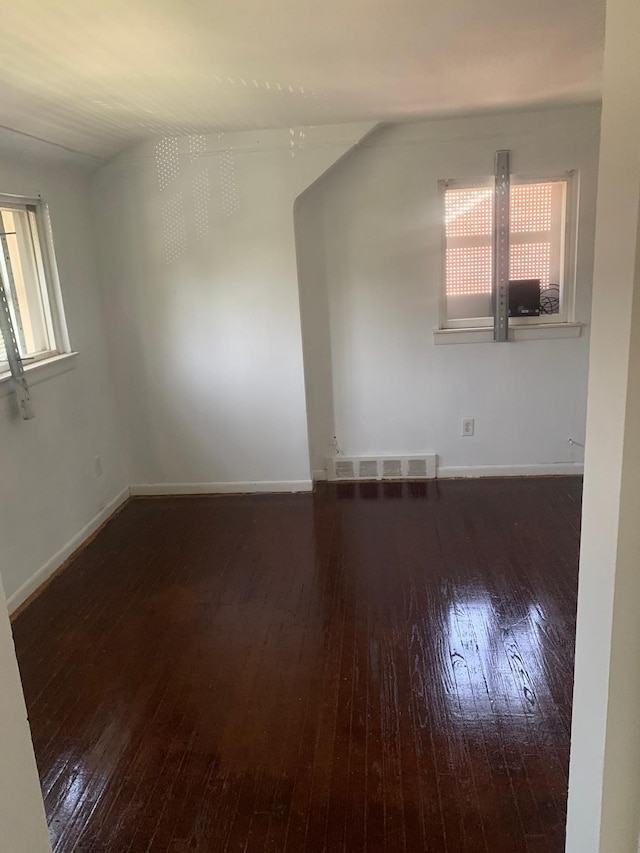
(542, 219)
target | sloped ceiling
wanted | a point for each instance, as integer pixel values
(96, 77)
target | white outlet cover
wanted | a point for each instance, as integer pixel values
(468, 426)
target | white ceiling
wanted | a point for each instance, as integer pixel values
(96, 77)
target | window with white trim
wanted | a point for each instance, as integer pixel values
(541, 234)
(29, 275)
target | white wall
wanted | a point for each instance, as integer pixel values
(604, 779)
(369, 247)
(22, 818)
(49, 491)
(198, 257)
(198, 260)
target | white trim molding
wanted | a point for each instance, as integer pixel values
(240, 488)
(53, 564)
(551, 469)
(39, 371)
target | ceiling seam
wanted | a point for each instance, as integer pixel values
(55, 144)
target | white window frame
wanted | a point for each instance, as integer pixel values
(566, 314)
(49, 281)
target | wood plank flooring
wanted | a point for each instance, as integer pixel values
(383, 667)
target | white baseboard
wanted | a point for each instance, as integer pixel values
(319, 474)
(44, 572)
(543, 470)
(260, 486)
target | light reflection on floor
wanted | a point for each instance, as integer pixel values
(486, 661)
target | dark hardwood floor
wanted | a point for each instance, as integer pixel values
(385, 667)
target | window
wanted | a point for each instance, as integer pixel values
(27, 266)
(539, 239)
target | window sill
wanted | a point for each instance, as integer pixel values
(540, 331)
(40, 371)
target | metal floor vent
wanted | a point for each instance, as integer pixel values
(344, 469)
(417, 467)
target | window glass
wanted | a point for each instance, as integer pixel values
(23, 275)
(537, 225)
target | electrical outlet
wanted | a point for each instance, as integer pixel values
(97, 466)
(468, 425)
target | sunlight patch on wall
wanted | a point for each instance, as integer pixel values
(167, 161)
(174, 228)
(297, 139)
(201, 194)
(197, 146)
(229, 196)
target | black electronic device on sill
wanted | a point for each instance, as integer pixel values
(524, 297)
